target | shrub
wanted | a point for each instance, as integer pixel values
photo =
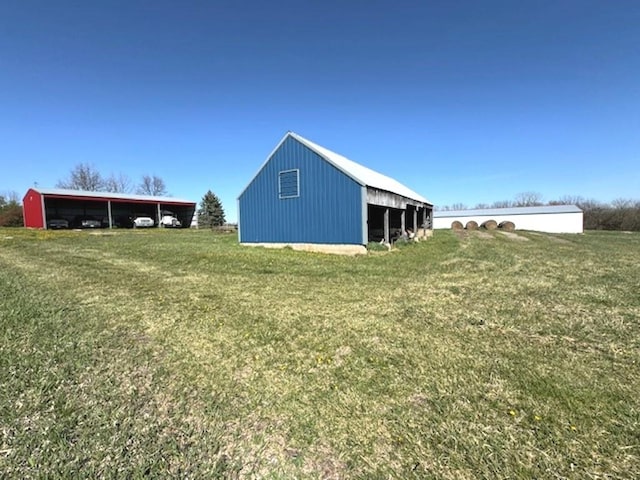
(11, 216)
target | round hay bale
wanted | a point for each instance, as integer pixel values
(471, 225)
(457, 225)
(507, 226)
(490, 225)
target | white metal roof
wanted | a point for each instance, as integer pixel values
(361, 174)
(115, 196)
(508, 211)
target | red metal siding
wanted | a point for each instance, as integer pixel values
(32, 208)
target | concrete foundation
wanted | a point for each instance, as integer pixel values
(316, 247)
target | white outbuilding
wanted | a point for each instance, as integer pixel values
(550, 219)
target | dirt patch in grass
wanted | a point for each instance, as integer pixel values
(559, 240)
(553, 238)
(461, 234)
(514, 236)
(484, 235)
(472, 233)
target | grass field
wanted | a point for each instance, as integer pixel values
(180, 353)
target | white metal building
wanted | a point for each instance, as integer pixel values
(550, 219)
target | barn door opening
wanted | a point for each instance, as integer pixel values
(376, 223)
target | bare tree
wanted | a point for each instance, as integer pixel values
(621, 203)
(8, 197)
(502, 204)
(590, 204)
(459, 206)
(448, 208)
(118, 184)
(567, 200)
(481, 206)
(152, 185)
(83, 177)
(528, 199)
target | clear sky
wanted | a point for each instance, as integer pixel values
(463, 101)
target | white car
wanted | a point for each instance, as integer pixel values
(143, 221)
(170, 221)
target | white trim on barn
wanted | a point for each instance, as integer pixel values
(549, 219)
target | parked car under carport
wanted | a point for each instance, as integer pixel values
(57, 223)
(87, 221)
(143, 221)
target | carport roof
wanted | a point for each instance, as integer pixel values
(60, 192)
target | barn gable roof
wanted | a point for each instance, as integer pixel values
(359, 173)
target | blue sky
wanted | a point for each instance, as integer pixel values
(464, 102)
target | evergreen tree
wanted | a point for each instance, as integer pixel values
(211, 213)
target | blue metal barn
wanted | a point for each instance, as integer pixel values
(306, 194)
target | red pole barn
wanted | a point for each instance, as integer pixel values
(59, 208)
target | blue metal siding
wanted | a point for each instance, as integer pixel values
(327, 210)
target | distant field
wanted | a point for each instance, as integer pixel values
(180, 353)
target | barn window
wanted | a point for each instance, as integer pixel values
(289, 183)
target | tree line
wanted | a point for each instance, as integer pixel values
(620, 214)
(86, 177)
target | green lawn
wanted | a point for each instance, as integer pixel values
(180, 353)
